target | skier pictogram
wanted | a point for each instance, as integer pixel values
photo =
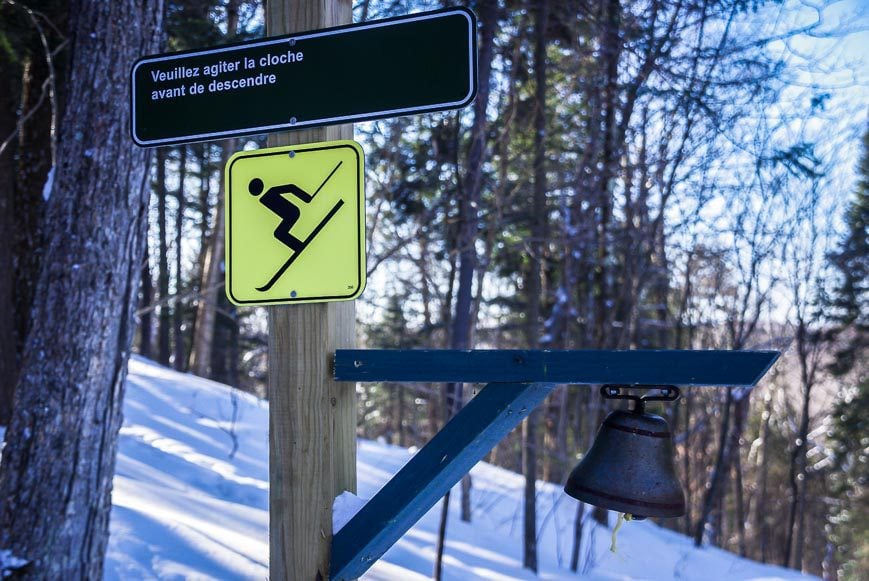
(295, 224)
(289, 214)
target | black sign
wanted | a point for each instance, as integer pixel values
(359, 72)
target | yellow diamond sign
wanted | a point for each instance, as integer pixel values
(295, 224)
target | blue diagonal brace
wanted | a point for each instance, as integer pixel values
(448, 456)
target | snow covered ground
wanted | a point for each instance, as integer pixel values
(186, 507)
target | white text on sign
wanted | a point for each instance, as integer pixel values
(184, 73)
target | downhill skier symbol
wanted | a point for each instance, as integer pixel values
(289, 214)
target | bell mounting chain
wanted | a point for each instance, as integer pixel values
(517, 381)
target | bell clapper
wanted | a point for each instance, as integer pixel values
(623, 518)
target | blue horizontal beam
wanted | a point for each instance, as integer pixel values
(448, 456)
(685, 368)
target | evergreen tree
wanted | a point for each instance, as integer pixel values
(849, 303)
(850, 477)
(849, 306)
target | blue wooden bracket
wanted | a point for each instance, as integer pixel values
(448, 456)
(518, 381)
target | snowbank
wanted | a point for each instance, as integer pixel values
(186, 507)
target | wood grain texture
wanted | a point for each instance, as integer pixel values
(313, 418)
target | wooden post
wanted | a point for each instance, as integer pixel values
(312, 423)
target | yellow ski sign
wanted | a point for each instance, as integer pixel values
(295, 224)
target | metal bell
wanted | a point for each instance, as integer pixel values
(630, 467)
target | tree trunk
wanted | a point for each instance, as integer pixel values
(800, 539)
(716, 480)
(162, 260)
(399, 422)
(538, 238)
(225, 325)
(205, 210)
(438, 572)
(797, 473)
(8, 336)
(179, 360)
(203, 334)
(529, 469)
(198, 276)
(610, 54)
(468, 218)
(686, 464)
(608, 163)
(584, 403)
(28, 206)
(577, 537)
(740, 503)
(760, 512)
(56, 475)
(24, 166)
(562, 457)
(146, 321)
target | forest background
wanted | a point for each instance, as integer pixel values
(660, 174)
